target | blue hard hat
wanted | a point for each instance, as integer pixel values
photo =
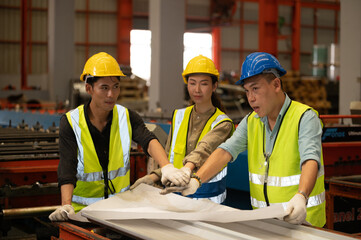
(257, 63)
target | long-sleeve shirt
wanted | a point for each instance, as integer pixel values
(68, 148)
(309, 139)
(198, 154)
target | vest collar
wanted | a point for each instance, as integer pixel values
(209, 112)
(109, 119)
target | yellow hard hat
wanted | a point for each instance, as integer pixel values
(101, 65)
(200, 64)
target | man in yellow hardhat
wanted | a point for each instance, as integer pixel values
(95, 141)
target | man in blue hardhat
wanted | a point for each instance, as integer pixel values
(283, 139)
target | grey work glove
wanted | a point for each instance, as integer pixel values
(191, 188)
(296, 209)
(174, 176)
(61, 213)
(147, 179)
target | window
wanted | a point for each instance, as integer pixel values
(140, 53)
(196, 44)
(140, 50)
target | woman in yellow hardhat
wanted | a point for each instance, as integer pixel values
(197, 130)
(95, 141)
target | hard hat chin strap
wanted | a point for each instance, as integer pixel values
(88, 76)
(272, 70)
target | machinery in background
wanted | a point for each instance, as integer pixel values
(29, 158)
(28, 165)
(341, 145)
(343, 206)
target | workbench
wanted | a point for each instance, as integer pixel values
(171, 229)
(144, 214)
(347, 218)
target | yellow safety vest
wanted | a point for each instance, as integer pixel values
(282, 173)
(214, 189)
(90, 180)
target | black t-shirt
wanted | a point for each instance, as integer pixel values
(68, 147)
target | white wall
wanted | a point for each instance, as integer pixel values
(350, 54)
(167, 25)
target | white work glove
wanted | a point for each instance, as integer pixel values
(61, 213)
(147, 179)
(191, 188)
(296, 210)
(174, 176)
(187, 171)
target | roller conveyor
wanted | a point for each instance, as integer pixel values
(28, 168)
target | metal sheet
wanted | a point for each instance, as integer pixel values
(270, 229)
(184, 222)
(145, 202)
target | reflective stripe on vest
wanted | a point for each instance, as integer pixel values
(87, 201)
(216, 189)
(279, 181)
(283, 165)
(90, 179)
(312, 201)
(177, 121)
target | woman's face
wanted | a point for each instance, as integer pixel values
(200, 88)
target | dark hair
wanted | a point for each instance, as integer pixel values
(91, 80)
(216, 101)
(268, 77)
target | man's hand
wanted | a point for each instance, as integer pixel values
(191, 188)
(147, 179)
(61, 213)
(296, 210)
(175, 176)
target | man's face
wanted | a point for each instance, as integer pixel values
(260, 94)
(104, 92)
